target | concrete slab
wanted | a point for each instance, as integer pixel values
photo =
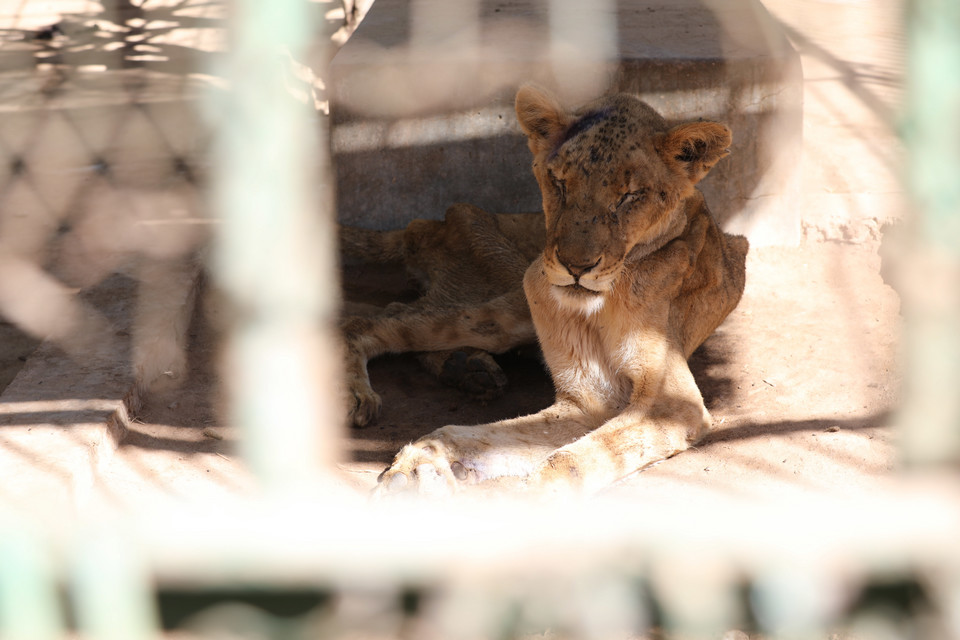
(61, 419)
(421, 100)
(852, 163)
(76, 435)
(797, 390)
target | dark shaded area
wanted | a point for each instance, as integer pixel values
(177, 606)
(15, 348)
(708, 364)
(751, 429)
(415, 403)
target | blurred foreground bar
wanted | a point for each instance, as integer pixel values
(421, 100)
(928, 271)
(274, 254)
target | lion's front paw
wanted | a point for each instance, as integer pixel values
(423, 468)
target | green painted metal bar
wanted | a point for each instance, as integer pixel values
(111, 587)
(29, 607)
(930, 264)
(274, 254)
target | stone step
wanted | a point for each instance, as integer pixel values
(73, 438)
(421, 99)
(62, 419)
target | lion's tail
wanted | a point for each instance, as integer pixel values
(371, 246)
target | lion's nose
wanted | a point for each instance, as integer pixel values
(577, 266)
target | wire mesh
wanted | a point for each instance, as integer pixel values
(115, 120)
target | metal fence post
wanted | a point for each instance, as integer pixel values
(930, 266)
(274, 254)
(112, 590)
(29, 608)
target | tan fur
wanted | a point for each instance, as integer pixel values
(471, 267)
(633, 276)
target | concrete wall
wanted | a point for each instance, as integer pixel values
(421, 100)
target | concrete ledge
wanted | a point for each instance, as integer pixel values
(421, 100)
(62, 420)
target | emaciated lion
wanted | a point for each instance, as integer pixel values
(623, 276)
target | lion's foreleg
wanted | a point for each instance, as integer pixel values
(650, 429)
(443, 461)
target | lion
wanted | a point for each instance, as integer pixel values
(470, 267)
(628, 273)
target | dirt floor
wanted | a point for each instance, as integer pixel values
(15, 348)
(801, 381)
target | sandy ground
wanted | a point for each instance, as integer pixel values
(801, 379)
(801, 382)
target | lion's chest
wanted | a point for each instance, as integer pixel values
(599, 355)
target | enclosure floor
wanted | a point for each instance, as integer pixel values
(801, 380)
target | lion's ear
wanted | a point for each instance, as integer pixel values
(695, 147)
(540, 115)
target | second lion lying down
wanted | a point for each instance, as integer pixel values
(623, 277)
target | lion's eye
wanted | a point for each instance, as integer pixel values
(560, 186)
(632, 196)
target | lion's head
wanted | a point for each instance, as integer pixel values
(613, 176)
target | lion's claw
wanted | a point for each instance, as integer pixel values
(459, 471)
(397, 482)
(422, 469)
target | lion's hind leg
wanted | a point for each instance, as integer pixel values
(472, 371)
(372, 246)
(497, 325)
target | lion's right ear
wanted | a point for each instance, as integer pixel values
(695, 147)
(540, 115)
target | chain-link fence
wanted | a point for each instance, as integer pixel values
(105, 156)
(139, 142)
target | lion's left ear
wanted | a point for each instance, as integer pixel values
(540, 116)
(695, 147)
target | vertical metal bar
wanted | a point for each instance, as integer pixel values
(792, 599)
(29, 609)
(695, 586)
(583, 46)
(274, 253)
(930, 268)
(111, 588)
